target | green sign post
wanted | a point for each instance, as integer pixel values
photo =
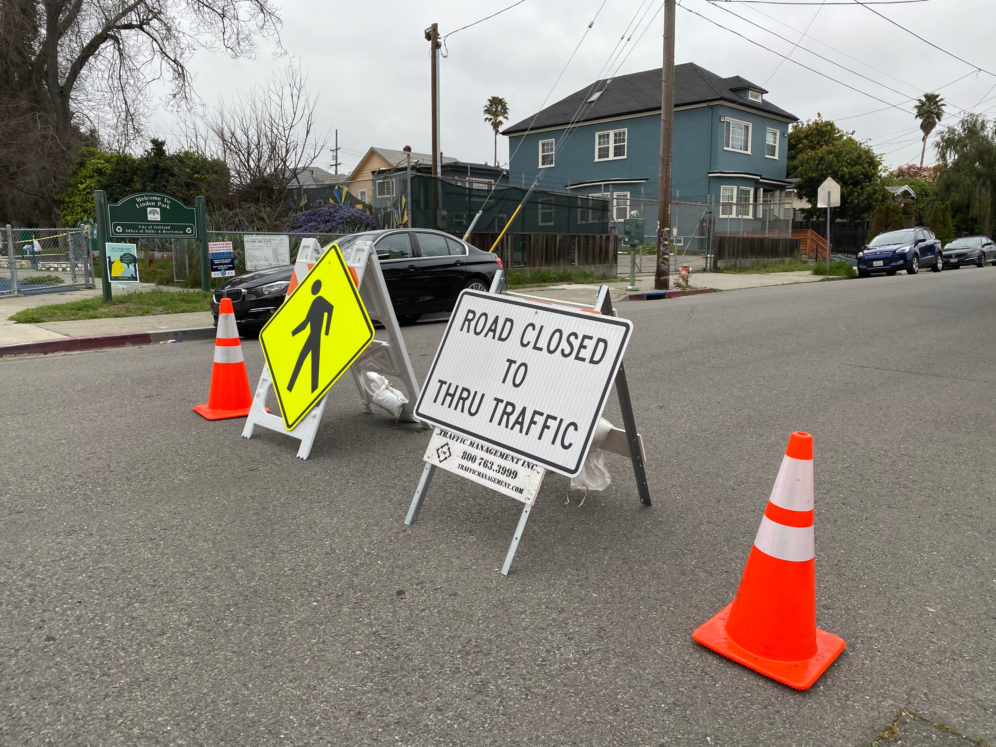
(150, 215)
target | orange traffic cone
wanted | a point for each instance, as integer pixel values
(230, 396)
(771, 624)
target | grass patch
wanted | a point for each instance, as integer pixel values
(549, 277)
(838, 268)
(42, 280)
(796, 264)
(145, 303)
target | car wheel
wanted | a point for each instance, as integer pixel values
(864, 274)
(476, 285)
(914, 267)
(938, 264)
(406, 320)
(982, 261)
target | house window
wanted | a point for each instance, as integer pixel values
(746, 206)
(546, 153)
(610, 145)
(755, 96)
(737, 136)
(727, 196)
(481, 183)
(771, 144)
(362, 195)
(546, 212)
(385, 188)
(620, 206)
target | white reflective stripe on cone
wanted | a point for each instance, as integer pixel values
(794, 485)
(228, 354)
(227, 330)
(785, 543)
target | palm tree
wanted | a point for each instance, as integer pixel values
(495, 114)
(929, 110)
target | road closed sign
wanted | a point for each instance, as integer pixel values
(524, 377)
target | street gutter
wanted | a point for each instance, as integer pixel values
(100, 342)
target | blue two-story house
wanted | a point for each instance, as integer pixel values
(730, 143)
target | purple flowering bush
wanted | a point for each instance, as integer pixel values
(324, 218)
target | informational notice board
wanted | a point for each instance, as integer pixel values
(222, 258)
(526, 378)
(122, 263)
(264, 252)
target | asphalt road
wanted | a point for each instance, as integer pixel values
(165, 582)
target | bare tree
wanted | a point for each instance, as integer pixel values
(71, 67)
(266, 136)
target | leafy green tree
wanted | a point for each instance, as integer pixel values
(940, 222)
(183, 175)
(929, 110)
(819, 149)
(887, 218)
(495, 114)
(967, 180)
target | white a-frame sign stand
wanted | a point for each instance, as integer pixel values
(472, 443)
(386, 358)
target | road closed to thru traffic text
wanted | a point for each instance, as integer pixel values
(524, 376)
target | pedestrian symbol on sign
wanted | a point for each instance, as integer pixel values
(330, 342)
(319, 315)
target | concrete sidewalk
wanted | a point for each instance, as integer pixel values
(12, 333)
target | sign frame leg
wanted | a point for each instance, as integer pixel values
(420, 492)
(626, 409)
(515, 539)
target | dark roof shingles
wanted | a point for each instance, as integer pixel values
(641, 92)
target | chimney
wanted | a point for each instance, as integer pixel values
(407, 149)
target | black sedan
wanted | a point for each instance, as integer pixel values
(971, 250)
(424, 270)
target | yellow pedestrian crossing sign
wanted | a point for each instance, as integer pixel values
(315, 336)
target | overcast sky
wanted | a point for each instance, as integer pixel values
(369, 63)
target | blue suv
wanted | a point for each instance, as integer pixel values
(908, 249)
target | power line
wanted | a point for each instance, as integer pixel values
(789, 2)
(806, 67)
(804, 49)
(782, 62)
(876, 111)
(484, 19)
(865, 5)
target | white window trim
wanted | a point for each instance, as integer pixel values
(727, 206)
(752, 93)
(361, 195)
(749, 203)
(617, 199)
(539, 217)
(612, 144)
(750, 135)
(387, 187)
(553, 154)
(778, 136)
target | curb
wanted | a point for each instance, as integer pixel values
(100, 342)
(661, 295)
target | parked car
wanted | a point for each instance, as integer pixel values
(907, 249)
(425, 271)
(971, 250)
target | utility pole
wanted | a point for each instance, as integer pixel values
(662, 279)
(432, 36)
(335, 151)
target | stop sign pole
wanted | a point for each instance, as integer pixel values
(828, 197)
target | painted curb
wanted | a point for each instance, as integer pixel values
(100, 342)
(661, 295)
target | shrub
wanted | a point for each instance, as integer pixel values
(331, 219)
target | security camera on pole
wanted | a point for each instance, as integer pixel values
(828, 197)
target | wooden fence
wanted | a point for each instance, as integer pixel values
(745, 249)
(528, 251)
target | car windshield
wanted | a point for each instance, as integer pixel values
(892, 237)
(964, 243)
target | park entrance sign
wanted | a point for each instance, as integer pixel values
(150, 214)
